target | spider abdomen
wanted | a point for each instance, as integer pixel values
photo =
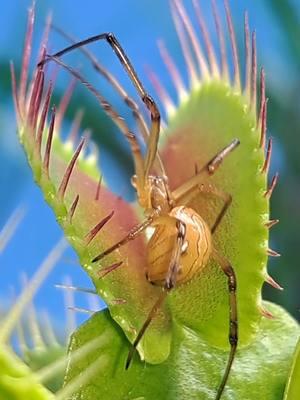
(195, 250)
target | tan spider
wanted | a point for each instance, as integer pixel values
(182, 242)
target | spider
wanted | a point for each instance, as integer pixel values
(182, 242)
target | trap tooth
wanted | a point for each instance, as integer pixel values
(266, 165)
(73, 288)
(81, 310)
(75, 126)
(43, 46)
(253, 73)
(202, 64)
(63, 105)
(273, 253)
(221, 39)
(35, 99)
(105, 271)
(236, 68)
(173, 71)
(38, 101)
(265, 313)
(15, 90)
(46, 160)
(273, 184)
(247, 88)
(185, 47)
(262, 102)
(271, 223)
(26, 59)
(73, 208)
(212, 58)
(273, 283)
(67, 175)
(94, 231)
(263, 129)
(162, 93)
(45, 109)
(97, 195)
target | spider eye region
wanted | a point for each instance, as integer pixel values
(194, 251)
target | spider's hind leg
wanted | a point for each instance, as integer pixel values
(151, 151)
(208, 169)
(233, 316)
(170, 282)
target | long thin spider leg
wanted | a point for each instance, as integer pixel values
(132, 234)
(233, 316)
(118, 120)
(119, 89)
(146, 98)
(208, 169)
(150, 317)
(170, 282)
(112, 80)
(227, 202)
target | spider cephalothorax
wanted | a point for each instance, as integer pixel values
(155, 195)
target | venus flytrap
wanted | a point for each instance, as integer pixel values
(187, 339)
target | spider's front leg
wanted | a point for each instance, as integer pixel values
(144, 165)
(233, 315)
(131, 235)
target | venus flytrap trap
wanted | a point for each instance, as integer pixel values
(184, 340)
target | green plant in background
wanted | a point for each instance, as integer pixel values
(185, 347)
(38, 370)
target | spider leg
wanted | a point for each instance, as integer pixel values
(112, 80)
(210, 189)
(131, 235)
(143, 329)
(146, 98)
(227, 202)
(170, 283)
(233, 316)
(208, 169)
(110, 111)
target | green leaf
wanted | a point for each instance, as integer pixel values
(17, 382)
(207, 122)
(292, 389)
(193, 370)
(38, 358)
(128, 308)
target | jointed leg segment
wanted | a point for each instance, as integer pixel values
(209, 169)
(133, 233)
(170, 282)
(107, 107)
(233, 317)
(146, 98)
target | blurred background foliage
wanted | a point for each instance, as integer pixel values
(138, 25)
